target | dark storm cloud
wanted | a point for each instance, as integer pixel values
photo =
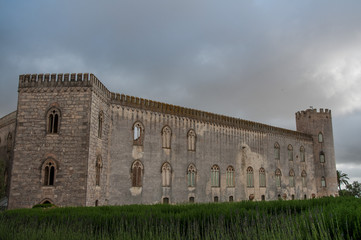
(257, 60)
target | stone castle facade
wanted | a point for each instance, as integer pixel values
(72, 142)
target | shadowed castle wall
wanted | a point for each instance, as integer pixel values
(216, 144)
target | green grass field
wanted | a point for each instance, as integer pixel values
(325, 218)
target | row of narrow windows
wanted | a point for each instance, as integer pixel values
(53, 117)
(137, 171)
(137, 175)
(165, 200)
(277, 154)
(138, 136)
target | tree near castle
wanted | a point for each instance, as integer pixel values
(342, 179)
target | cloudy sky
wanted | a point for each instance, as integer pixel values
(256, 60)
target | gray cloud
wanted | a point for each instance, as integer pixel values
(257, 60)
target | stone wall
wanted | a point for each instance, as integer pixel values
(69, 148)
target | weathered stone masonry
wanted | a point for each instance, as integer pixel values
(111, 149)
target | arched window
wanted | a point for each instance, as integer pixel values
(53, 119)
(262, 177)
(191, 173)
(250, 177)
(100, 124)
(323, 182)
(304, 175)
(278, 177)
(166, 174)
(98, 167)
(215, 199)
(292, 178)
(138, 133)
(302, 154)
(290, 152)
(46, 201)
(49, 171)
(215, 176)
(191, 137)
(166, 137)
(230, 176)
(137, 174)
(230, 198)
(322, 157)
(320, 137)
(277, 151)
(165, 200)
(191, 199)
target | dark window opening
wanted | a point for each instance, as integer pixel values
(165, 200)
(231, 198)
(215, 199)
(191, 199)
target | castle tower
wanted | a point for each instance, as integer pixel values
(319, 125)
(58, 140)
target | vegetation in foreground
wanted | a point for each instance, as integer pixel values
(325, 218)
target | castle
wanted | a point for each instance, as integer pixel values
(72, 142)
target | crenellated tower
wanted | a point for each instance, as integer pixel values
(61, 139)
(319, 125)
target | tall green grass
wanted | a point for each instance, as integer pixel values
(326, 218)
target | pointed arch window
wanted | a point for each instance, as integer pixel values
(191, 173)
(302, 154)
(137, 174)
(303, 176)
(262, 177)
(49, 171)
(98, 167)
(322, 157)
(278, 177)
(250, 177)
(290, 152)
(277, 151)
(166, 137)
(320, 137)
(53, 120)
(230, 176)
(166, 174)
(191, 138)
(215, 176)
(100, 124)
(138, 133)
(323, 182)
(292, 178)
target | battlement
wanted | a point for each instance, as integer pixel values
(62, 80)
(313, 112)
(165, 108)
